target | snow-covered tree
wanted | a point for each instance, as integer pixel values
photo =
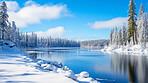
(124, 35)
(141, 10)
(120, 42)
(13, 32)
(142, 29)
(142, 26)
(3, 19)
(115, 37)
(26, 40)
(7, 32)
(111, 36)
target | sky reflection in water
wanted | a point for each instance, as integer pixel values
(103, 67)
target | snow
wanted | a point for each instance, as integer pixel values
(84, 74)
(70, 74)
(7, 45)
(49, 67)
(58, 68)
(126, 50)
(15, 66)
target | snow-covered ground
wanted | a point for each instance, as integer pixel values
(126, 50)
(16, 67)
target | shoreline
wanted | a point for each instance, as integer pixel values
(39, 69)
(136, 50)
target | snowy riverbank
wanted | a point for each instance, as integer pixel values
(15, 66)
(126, 50)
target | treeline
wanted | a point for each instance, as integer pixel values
(8, 31)
(33, 41)
(94, 43)
(136, 33)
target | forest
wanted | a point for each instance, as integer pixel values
(133, 33)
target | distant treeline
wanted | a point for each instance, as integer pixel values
(94, 43)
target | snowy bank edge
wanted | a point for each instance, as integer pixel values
(49, 66)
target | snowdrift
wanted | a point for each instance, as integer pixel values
(7, 46)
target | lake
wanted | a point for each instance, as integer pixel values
(105, 68)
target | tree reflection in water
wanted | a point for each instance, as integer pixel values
(136, 67)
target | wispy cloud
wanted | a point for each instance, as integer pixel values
(54, 32)
(33, 13)
(109, 23)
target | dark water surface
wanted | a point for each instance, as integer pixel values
(105, 68)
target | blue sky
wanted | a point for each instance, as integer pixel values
(77, 18)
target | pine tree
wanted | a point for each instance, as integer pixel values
(141, 11)
(48, 42)
(120, 42)
(4, 19)
(26, 40)
(143, 30)
(7, 32)
(132, 22)
(141, 27)
(115, 37)
(111, 36)
(17, 37)
(124, 35)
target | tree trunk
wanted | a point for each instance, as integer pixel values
(3, 31)
(135, 35)
(133, 39)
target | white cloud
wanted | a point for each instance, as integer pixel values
(33, 13)
(12, 5)
(54, 32)
(115, 22)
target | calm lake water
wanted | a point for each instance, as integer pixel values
(105, 68)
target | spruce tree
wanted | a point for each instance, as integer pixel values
(132, 22)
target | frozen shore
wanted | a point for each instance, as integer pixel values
(126, 50)
(16, 66)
